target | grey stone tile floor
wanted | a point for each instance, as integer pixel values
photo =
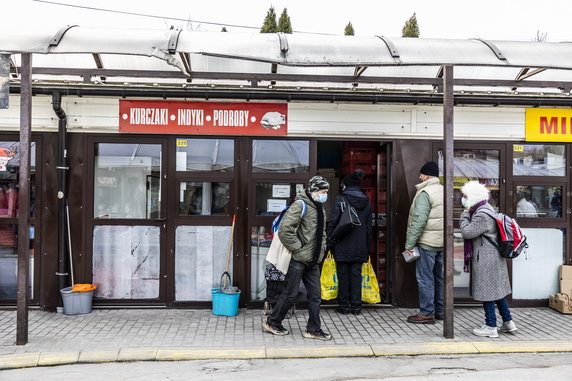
(115, 329)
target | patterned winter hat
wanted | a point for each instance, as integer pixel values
(317, 183)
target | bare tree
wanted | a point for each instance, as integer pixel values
(540, 37)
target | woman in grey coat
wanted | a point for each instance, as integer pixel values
(489, 275)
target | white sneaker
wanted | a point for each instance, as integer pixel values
(508, 326)
(486, 331)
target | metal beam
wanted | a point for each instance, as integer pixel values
(24, 200)
(295, 77)
(448, 144)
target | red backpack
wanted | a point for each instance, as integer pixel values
(510, 242)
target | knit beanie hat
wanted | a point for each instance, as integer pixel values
(475, 192)
(430, 169)
(353, 179)
(317, 183)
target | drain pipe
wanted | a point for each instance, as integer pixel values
(62, 172)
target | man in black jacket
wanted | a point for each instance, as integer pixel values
(353, 249)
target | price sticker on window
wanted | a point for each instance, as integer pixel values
(182, 143)
(518, 148)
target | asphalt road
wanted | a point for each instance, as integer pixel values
(505, 367)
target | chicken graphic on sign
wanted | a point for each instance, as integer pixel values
(6, 154)
(273, 120)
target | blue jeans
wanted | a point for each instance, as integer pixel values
(490, 313)
(298, 271)
(429, 273)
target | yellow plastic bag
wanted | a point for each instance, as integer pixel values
(329, 278)
(369, 285)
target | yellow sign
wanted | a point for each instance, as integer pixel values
(518, 148)
(548, 125)
(182, 143)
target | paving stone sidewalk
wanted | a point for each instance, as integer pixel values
(118, 329)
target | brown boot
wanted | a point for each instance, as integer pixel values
(421, 319)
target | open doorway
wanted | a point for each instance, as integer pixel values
(337, 159)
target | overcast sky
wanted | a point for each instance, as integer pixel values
(487, 19)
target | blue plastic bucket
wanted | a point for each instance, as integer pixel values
(225, 300)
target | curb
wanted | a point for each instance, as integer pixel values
(27, 360)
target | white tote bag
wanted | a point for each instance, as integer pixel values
(278, 255)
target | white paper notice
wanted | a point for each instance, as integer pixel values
(299, 188)
(275, 206)
(281, 191)
(181, 161)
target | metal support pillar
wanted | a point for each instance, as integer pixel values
(24, 200)
(448, 143)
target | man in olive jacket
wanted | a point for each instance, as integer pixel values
(304, 235)
(425, 229)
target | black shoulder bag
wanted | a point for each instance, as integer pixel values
(349, 220)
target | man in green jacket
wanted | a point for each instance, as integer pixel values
(304, 235)
(425, 229)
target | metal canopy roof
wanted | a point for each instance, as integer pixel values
(83, 55)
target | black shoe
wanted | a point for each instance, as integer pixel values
(319, 335)
(439, 316)
(278, 330)
(356, 312)
(343, 311)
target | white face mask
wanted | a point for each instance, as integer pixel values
(464, 202)
(322, 197)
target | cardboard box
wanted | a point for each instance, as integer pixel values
(565, 272)
(565, 277)
(561, 303)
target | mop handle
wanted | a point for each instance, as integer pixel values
(69, 241)
(229, 248)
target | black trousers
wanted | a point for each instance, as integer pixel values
(349, 285)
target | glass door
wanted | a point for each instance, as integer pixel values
(471, 162)
(201, 243)
(127, 219)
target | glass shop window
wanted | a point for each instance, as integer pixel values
(9, 179)
(205, 155)
(271, 198)
(204, 198)
(127, 181)
(280, 156)
(538, 201)
(538, 160)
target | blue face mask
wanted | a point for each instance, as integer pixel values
(464, 202)
(322, 197)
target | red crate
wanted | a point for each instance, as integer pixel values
(351, 166)
(352, 145)
(381, 207)
(382, 195)
(370, 193)
(359, 154)
(368, 181)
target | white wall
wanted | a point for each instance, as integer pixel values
(95, 114)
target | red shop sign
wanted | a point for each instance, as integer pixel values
(182, 117)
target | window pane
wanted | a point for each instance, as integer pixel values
(538, 160)
(204, 198)
(271, 198)
(205, 155)
(9, 170)
(535, 272)
(127, 181)
(534, 201)
(200, 260)
(126, 262)
(285, 156)
(474, 164)
(9, 262)
(260, 242)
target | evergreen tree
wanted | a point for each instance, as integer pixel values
(411, 29)
(284, 24)
(349, 31)
(269, 25)
(224, 29)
